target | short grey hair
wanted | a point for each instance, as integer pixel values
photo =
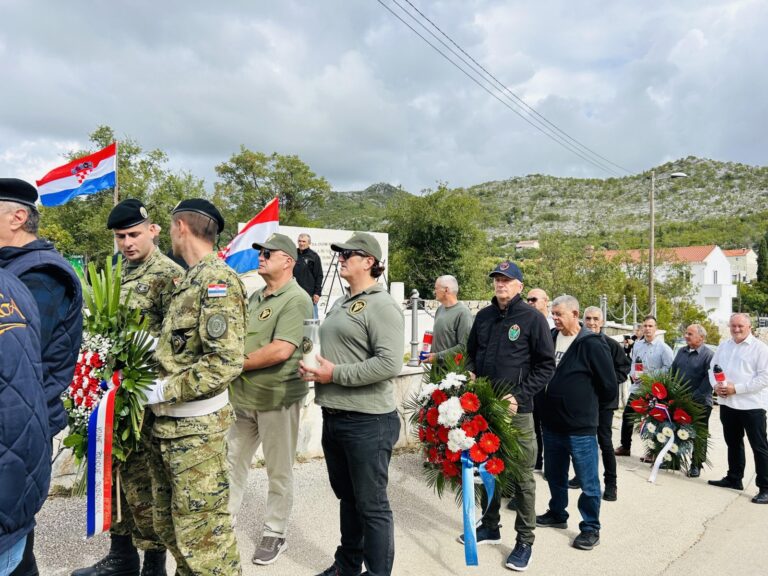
(566, 300)
(593, 309)
(745, 316)
(307, 236)
(700, 329)
(449, 282)
(32, 224)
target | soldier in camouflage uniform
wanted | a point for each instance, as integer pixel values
(200, 351)
(146, 284)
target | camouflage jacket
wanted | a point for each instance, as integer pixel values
(200, 349)
(150, 285)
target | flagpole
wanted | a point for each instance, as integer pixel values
(116, 198)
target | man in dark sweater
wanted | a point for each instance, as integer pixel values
(308, 270)
(510, 344)
(584, 379)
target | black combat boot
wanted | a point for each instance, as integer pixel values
(154, 563)
(122, 560)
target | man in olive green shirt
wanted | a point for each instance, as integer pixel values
(268, 396)
(453, 321)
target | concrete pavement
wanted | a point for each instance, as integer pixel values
(678, 526)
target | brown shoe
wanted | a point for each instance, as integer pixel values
(621, 451)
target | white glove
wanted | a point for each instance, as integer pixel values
(156, 392)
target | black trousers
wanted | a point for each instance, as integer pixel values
(605, 441)
(358, 448)
(735, 424)
(538, 401)
(627, 426)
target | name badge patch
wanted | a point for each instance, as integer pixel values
(514, 332)
(217, 290)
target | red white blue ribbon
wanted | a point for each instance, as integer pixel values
(468, 503)
(99, 468)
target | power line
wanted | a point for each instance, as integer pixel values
(548, 128)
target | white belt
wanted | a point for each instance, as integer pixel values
(193, 408)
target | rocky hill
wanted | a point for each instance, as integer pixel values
(722, 202)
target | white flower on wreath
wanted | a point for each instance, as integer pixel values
(674, 448)
(661, 438)
(667, 457)
(683, 434)
(452, 380)
(458, 440)
(667, 431)
(426, 391)
(651, 427)
(450, 412)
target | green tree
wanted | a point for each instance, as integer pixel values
(762, 260)
(251, 179)
(434, 234)
(79, 227)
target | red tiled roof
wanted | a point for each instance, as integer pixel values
(737, 252)
(680, 254)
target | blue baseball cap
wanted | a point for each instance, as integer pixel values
(508, 269)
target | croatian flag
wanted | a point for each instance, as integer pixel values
(86, 175)
(239, 253)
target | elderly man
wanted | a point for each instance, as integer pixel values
(453, 321)
(743, 398)
(656, 357)
(583, 381)
(268, 396)
(308, 270)
(692, 364)
(56, 290)
(593, 320)
(511, 345)
(539, 300)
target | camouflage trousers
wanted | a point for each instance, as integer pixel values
(190, 489)
(136, 495)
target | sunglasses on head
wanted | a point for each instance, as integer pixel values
(532, 299)
(347, 254)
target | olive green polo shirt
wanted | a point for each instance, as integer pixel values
(363, 336)
(277, 316)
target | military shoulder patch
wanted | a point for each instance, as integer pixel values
(357, 307)
(142, 288)
(216, 326)
(514, 332)
(217, 290)
(266, 313)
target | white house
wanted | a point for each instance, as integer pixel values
(743, 264)
(710, 274)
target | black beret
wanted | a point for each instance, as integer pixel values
(15, 190)
(201, 206)
(127, 214)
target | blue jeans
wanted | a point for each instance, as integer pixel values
(12, 557)
(357, 450)
(561, 449)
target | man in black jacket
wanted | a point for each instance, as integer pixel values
(511, 345)
(56, 290)
(584, 380)
(593, 320)
(308, 270)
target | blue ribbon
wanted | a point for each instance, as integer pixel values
(468, 503)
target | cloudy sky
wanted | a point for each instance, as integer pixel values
(362, 99)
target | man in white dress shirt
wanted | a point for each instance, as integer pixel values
(743, 399)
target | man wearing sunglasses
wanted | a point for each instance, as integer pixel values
(268, 396)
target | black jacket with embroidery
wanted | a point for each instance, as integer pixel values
(513, 348)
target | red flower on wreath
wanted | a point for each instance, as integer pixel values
(481, 423)
(470, 429)
(452, 456)
(434, 456)
(422, 415)
(450, 469)
(658, 414)
(438, 397)
(681, 416)
(659, 390)
(432, 416)
(495, 466)
(489, 442)
(458, 358)
(442, 434)
(422, 434)
(431, 436)
(470, 402)
(639, 405)
(477, 454)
